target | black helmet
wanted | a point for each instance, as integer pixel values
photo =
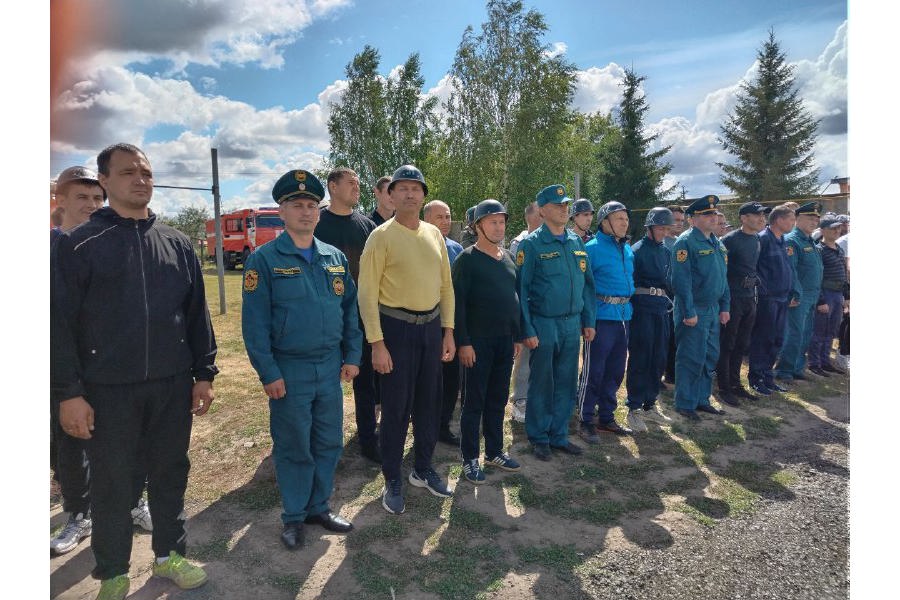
(580, 206)
(659, 215)
(609, 208)
(488, 207)
(470, 215)
(408, 173)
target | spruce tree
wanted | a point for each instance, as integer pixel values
(770, 134)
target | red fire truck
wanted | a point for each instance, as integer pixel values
(243, 231)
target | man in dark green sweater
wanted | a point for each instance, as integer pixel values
(486, 327)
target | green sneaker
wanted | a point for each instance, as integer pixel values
(184, 574)
(115, 588)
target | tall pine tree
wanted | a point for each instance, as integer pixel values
(770, 134)
(634, 174)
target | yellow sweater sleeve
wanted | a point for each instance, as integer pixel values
(371, 268)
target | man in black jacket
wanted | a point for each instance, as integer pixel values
(132, 360)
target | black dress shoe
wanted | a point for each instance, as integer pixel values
(448, 437)
(569, 448)
(292, 535)
(330, 521)
(831, 369)
(776, 387)
(710, 409)
(819, 371)
(761, 389)
(615, 428)
(688, 414)
(371, 451)
(741, 392)
(727, 398)
(541, 451)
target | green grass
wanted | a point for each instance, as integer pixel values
(215, 549)
(260, 496)
(560, 559)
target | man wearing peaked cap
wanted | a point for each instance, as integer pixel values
(301, 330)
(806, 264)
(556, 296)
(702, 304)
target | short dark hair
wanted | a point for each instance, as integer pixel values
(62, 189)
(779, 212)
(338, 174)
(106, 154)
(382, 181)
(530, 208)
(676, 209)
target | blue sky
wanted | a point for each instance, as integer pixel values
(255, 78)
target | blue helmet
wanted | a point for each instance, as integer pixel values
(609, 208)
(659, 215)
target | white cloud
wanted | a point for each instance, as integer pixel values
(556, 49)
(598, 89)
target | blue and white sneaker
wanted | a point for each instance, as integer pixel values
(392, 498)
(428, 478)
(472, 471)
(502, 461)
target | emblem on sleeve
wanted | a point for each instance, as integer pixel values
(251, 280)
(789, 250)
(337, 284)
(681, 255)
(582, 264)
(520, 257)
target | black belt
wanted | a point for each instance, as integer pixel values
(416, 318)
(614, 299)
(652, 291)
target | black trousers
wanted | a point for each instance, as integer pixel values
(449, 391)
(670, 359)
(486, 389)
(365, 397)
(409, 391)
(734, 341)
(151, 419)
(648, 348)
(844, 336)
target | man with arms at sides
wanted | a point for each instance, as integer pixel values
(582, 214)
(406, 298)
(533, 220)
(743, 255)
(133, 361)
(775, 280)
(438, 214)
(487, 325)
(301, 331)
(556, 295)
(343, 227)
(701, 306)
(384, 206)
(834, 283)
(648, 342)
(678, 227)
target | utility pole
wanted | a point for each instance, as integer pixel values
(220, 264)
(577, 185)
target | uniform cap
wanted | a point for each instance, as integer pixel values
(702, 206)
(298, 184)
(810, 208)
(552, 194)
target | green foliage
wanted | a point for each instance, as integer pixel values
(380, 123)
(770, 134)
(191, 221)
(506, 115)
(633, 173)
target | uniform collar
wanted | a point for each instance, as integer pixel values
(285, 245)
(547, 236)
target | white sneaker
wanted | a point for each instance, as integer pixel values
(140, 515)
(518, 412)
(77, 528)
(634, 420)
(842, 362)
(656, 414)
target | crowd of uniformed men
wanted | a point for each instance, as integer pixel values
(416, 320)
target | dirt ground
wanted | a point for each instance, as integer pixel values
(552, 531)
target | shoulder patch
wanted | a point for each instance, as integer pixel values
(681, 255)
(789, 250)
(520, 258)
(337, 284)
(251, 280)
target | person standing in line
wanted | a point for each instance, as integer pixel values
(582, 214)
(743, 247)
(834, 283)
(469, 236)
(556, 296)
(701, 305)
(648, 341)
(774, 284)
(401, 322)
(132, 362)
(345, 228)
(611, 262)
(533, 220)
(301, 330)
(678, 227)
(843, 357)
(806, 265)
(487, 325)
(384, 206)
(438, 214)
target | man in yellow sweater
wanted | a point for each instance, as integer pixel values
(405, 299)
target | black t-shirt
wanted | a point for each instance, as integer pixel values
(487, 304)
(743, 256)
(376, 217)
(347, 233)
